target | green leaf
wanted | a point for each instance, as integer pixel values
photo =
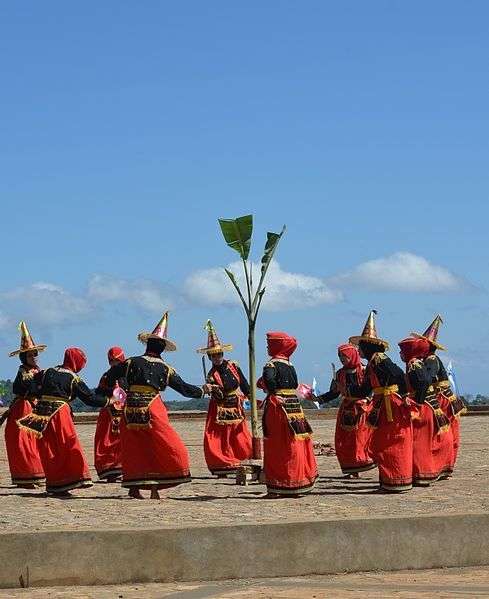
(237, 233)
(231, 276)
(270, 247)
(236, 286)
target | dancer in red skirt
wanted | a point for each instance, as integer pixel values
(107, 433)
(288, 457)
(22, 452)
(352, 434)
(153, 454)
(227, 440)
(432, 443)
(51, 422)
(392, 437)
(452, 405)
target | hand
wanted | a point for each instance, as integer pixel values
(208, 388)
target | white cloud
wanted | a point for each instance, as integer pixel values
(44, 303)
(142, 293)
(401, 271)
(284, 290)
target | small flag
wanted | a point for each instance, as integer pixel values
(119, 394)
(315, 391)
(304, 391)
(452, 378)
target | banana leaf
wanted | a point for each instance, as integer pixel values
(270, 247)
(237, 233)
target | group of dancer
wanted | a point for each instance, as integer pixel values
(404, 423)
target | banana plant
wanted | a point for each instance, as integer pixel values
(237, 233)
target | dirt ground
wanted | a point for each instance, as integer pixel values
(408, 584)
(210, 501)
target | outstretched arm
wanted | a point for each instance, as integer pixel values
(185, 389)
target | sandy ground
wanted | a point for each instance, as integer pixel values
(210, 501)
(447, 583)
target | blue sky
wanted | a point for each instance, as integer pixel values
(127, 129)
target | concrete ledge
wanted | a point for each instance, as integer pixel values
(95, 557)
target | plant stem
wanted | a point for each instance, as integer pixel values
(252, 396)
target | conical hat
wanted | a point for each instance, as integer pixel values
(214, 346)
(431, 333)
(159, 332)
(369, 332)
(26, 341)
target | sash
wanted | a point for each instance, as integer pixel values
(229, 408)
(137, 407)
(115, 418)
(37, 421)
(381, 398)
(457, 406)
(290, 404)
(441, 421)
(351, 413)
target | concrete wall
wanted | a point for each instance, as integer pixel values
(212, 553)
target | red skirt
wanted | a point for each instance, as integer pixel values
(107, 445)
(289, 462)
(353, 436)
(432, 449)
(392, 442)
(153, 455)
(225, 445)
(22, 450)
(62, 455)
(454, 429)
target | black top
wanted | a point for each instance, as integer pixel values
(436, 369)
(419, 380)
(387, 373)
(152, 371)
(228, 379)
(26, 381)
(65, 384)
(279, 374)
(108, 381)
(353, 389)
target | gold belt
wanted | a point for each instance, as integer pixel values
(385, 390)
(286, 392)
(231, 394)
(142, 389)
(51, 398)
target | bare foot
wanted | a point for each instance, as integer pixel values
(154, 493)
(135, 493)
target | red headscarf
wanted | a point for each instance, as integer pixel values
(74, 359)
(351, 353)
(414, 347)
(281, 345)
(116, 354)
